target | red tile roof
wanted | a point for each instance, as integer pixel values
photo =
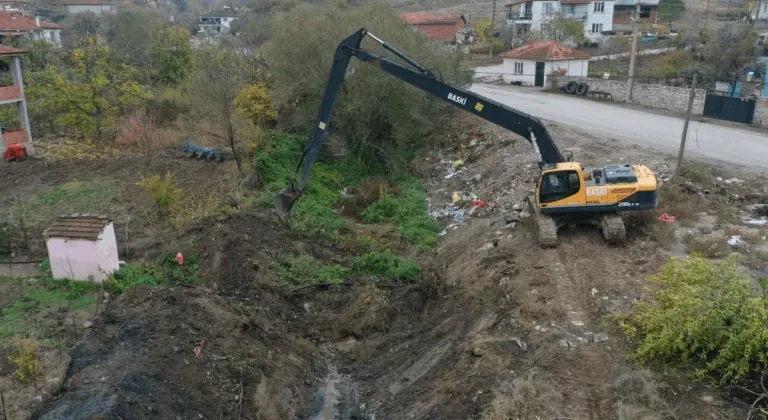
(432, 18)
(10, 21)
(78, 226)
(6, 50)
(546, 51)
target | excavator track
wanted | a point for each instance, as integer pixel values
(546, 227)
(612, 227)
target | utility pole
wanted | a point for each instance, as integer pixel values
(493, 25)
(632, 54)
(691, 95)
(757, 14)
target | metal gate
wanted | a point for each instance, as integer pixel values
(722, 106)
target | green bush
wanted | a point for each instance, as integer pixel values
(408, 211)
(385, 264)
(381, 118)
(702, 313)
(163, 191)
(174, 272)
(132, 275)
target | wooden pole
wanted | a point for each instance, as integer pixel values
(691, 95)
(633, 53)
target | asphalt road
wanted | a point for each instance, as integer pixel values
(711, 142)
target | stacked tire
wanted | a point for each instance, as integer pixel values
(576, 88)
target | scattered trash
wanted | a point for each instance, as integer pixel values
(733, 180)
(457, 164)
(198, 350)
(443, 233)
(180, 258)
(593, 291)
(667, 218)
(87, 324)
(520, 343)
(736, 240)
(754, 222)
(577, 323)
(479, 203)
(456, 197)
(600, 337)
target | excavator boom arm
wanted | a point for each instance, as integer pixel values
(527, 126)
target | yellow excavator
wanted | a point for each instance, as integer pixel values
(565, 192)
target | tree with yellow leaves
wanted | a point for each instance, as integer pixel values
(91, 91)
(255, 103)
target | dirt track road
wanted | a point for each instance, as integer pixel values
(706, 141)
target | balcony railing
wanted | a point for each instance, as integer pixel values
(519, 16)
(579, 15)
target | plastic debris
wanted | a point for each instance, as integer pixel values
(198, 350)
(754, 222)
(443, 233)
(456, 197)
(457, 163)
(479, 203)
(667, 218)
(736, 240)
(180, 258)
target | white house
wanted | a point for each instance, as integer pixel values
(82, 247)
(533, 15)
(531, 64)
(95, 6)
(14, 24)
(215, 23)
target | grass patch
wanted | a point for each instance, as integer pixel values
(639, 397)
(305, 270)
(385, 264)
(21, 315)
(165, 270)
(526, 397)
(709, 246)
(78, 196)
(407, 211)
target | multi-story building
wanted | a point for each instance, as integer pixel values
(527, 15)
(624, 12)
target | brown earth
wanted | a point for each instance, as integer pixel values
(491, 309)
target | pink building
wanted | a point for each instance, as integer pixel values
(82, 247)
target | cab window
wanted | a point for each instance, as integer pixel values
(559, 185)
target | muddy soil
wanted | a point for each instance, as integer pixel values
(492, 306)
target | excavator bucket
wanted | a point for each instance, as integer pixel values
(284, 201)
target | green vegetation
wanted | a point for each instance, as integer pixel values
(408, 211)
(670, 10)
(378, 265)
(165, 270)
(163, 191)
(381, 119)
(702, 313)
(76, 196)
(20, 316)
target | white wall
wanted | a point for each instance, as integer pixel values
(575, 68)
(95, 8)
(605, 17)
(79, 259)
(529, 71)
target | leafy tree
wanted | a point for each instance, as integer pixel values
(381, 118)
(252, 30)
(79, 26)
(171, 56)
(731, 49)
(90, 91)
(211, 88)
(131, 34)
(483, 30)
(255, 103)
(561, 29)
(670, 10)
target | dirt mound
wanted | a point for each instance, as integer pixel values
(182, 353)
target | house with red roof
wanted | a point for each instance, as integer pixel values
(14, 24)
(531, 64)
(440, 26)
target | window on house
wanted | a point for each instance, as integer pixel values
(518, 68)
(547, 7)
(645, 12)
(599, 6)
(570, 8)
(597, 28)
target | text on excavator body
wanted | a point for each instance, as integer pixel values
(458, 99)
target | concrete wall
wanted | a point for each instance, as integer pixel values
(95, 8)
(654, 96)
(78, 259)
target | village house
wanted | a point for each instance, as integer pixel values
(12, 95)
(98, 7)
(14, 24)
(532, 64)
(215, 23)
(440, 26)
(624, 11)
(14, 6)
(534, 15)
